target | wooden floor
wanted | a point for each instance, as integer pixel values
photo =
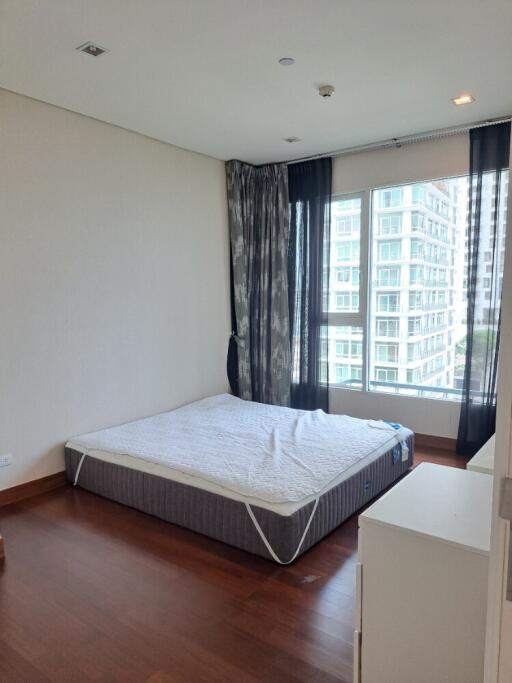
(93, 591)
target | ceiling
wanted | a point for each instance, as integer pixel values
(204, 74)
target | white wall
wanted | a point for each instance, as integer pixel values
(113, 280)
(424, 416)
(444, 157)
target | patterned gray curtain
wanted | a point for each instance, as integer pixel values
(258, 225)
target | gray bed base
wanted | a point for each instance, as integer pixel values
(228, 520)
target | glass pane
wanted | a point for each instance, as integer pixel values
(419, 251)
(345, 347)
(344, 274)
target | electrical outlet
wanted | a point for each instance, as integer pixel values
(5, 459)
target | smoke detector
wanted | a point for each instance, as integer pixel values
(92, 49)
(326, 90)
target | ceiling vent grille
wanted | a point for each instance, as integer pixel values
(92, 49)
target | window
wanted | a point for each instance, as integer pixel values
(414, 326)
(414, 241)
(413, 376)
(346, 225)
(356, 372)
(415, 301)
(388, 302)
(342, 349)
(386, 374)
(388, 198)
(386, 353)
(347, 275)
(342, 373)
(387, 327)
(417, 248)
(343, 274)
(413, 351)
(356, 350)
(390, 224)
(418, 194)
(417, 221)
(348, 251)
(415, 275)
(387, 277)
(389, 251)
(432, 263)
(347, 302)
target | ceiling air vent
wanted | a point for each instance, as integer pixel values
(92, 49)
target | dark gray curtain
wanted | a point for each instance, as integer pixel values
(309, 185)
(489, 152)
(259, 226)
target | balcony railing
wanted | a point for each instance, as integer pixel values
(422, 390)
(446, 393)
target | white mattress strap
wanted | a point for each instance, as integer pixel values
(264, 538)
(405, 450)
(385, 426)
(77, 473)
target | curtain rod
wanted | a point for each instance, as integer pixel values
(404, 140)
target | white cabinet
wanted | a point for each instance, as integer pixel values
(422, 579)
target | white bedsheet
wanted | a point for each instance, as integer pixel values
(265, 453)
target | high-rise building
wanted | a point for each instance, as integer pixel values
(414, 304)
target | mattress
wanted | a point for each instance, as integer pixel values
(268, 479)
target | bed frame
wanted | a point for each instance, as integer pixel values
(228, 520)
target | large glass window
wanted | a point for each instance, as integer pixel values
(428, 357)
(403, 266)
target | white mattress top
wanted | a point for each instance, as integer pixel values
(261, 452)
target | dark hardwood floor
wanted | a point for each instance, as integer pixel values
(93, 591)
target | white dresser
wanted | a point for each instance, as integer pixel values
(422, 579)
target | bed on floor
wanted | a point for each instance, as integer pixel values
(270, 480)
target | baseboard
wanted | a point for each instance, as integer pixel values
(442, 443)
(32, 488)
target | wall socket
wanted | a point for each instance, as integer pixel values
(5, 459)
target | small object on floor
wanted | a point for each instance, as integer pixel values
(310, 578)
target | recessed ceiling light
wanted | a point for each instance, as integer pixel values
(286, 61)
(291, 139)
(92, 49)
(463, 99)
